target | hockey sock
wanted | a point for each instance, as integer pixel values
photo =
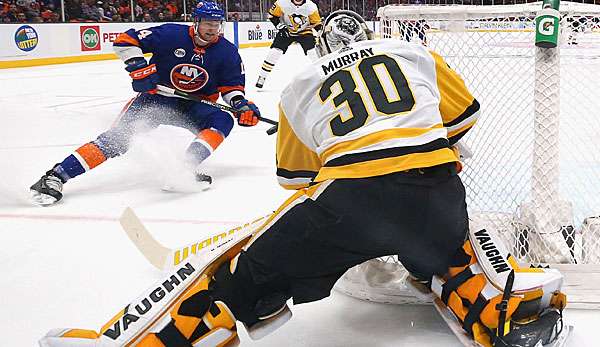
(83, 159)
(203, 145)
(270, 61)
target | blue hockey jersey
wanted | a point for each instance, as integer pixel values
(203, 71)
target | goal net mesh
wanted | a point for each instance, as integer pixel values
(534, 175)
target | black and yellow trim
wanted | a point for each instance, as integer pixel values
(387, 153)
(468, 112)
(296, 174)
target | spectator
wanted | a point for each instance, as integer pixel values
(12, 13)
(73, 11)
(168, 16)
(21, 17)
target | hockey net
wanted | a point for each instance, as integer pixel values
(535, 171)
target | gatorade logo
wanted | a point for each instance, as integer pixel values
(546, 26)
(90, 38)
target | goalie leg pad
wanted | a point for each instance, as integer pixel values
(197, 305)
(496, 301)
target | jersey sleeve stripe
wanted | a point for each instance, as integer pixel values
(296, 173)
(455, 135)
(125, 40)
(226, 89)
(473, 109)
(295, 183)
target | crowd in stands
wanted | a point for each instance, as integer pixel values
(49, 11)
(30, 11)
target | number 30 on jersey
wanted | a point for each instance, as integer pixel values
(372, 71)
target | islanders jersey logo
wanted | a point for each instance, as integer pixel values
(189, 77)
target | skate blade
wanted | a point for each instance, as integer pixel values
(40, 199)
(195, 187)
(452, 323)
(562, 338)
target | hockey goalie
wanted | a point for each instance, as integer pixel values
(366, 139)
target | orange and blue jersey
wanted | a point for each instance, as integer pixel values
(203, 71)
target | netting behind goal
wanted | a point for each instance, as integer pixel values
(535, 171)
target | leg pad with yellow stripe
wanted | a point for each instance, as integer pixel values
(497, 302)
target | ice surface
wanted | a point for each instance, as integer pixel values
(70, 265)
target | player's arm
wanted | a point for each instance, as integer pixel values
(130, 46)
(459, 109)
(231, 87)
(315, 20)
(275, 13)
(297, 165)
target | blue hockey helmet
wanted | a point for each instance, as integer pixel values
(208, 10)
(208, 16)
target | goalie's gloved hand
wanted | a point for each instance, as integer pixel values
(248, 113)
(282, 30)
(144, 76)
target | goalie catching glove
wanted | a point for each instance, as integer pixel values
(497, 302)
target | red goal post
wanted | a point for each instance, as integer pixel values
(535, 172)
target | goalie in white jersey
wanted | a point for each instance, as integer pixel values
(366, 138)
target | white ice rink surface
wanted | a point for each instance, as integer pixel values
(71, 265)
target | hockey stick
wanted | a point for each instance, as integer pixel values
(166, 91)
(165, 258)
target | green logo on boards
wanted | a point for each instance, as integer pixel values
(90, 38)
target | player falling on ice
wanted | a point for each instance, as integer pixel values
(197, 60)
(366, 138)
(295, 21)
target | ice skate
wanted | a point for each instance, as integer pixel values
(47, 190)
(187, 183)
(260, 82)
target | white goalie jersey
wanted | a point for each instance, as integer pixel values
(299, 19)
(372, 108)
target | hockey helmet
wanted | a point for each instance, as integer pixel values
(208, 10)
(209, 13)
(340, 29)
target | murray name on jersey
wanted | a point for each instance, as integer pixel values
(346, 59)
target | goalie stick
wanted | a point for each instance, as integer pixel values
(164, 258)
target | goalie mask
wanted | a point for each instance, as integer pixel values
(341, 28)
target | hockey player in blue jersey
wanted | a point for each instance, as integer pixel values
(196, 60)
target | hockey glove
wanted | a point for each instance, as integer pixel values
(248, 113)
(144, 76)
(282, 30)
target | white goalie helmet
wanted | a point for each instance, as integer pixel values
(340, 29)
